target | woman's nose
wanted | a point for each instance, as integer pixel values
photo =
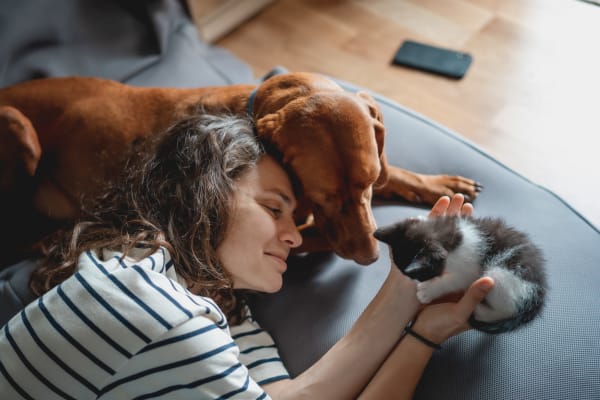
(290, 234)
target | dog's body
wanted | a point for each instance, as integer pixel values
(61, 138)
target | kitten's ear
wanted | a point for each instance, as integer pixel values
(429, 262)
(436, 257)
(437, 252)
(395, 232)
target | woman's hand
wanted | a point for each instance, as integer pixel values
(438, 322)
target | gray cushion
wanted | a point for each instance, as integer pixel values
(138, 42)
(555, 357)
(14, 289)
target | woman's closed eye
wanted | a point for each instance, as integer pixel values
(276, 203)
(273, 210)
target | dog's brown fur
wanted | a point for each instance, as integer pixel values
(61, 138)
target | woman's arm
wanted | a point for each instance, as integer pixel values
(348, 367)
(400, 373)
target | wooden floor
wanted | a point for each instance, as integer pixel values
(531, 97)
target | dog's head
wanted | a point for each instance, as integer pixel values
(333, 142)
(20, 149)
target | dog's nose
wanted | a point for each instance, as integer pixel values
(366, 259)
(364, 256)
(363, 252)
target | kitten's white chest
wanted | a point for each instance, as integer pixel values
(463, 266)
(465, 260)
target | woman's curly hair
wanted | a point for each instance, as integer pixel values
(176, 191)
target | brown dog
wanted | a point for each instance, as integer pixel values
(70, 135)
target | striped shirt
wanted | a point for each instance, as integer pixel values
(125, 329)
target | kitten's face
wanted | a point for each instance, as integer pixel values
(414, 249)
(402, 240)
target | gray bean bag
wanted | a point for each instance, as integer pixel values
(555, 357)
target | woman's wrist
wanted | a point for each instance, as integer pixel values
(410, 331)
(399, 280)
(432, 332)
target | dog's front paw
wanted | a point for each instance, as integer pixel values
(425, 292)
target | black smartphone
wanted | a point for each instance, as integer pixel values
(437, 60)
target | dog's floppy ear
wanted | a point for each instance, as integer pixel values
(379, 128)
(20, 149)
(270, 128)
(269, 125)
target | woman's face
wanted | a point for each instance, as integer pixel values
(262, 229)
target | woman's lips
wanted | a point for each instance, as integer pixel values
(281, 260)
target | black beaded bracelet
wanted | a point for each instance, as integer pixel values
(408, 330)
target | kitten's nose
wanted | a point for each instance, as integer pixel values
(382, 235)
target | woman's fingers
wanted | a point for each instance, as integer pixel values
(456, 205)
(466, 210)
(440, 207)
(451, 206)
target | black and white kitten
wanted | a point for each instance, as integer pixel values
(447, 254)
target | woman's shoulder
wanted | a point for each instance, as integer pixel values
(146, 282)
(109, 260)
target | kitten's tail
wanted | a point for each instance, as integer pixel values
(511, 303)
(508, 324)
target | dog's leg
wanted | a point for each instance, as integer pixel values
(427, 189)
(20, 149)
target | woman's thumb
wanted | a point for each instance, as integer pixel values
(475, 294)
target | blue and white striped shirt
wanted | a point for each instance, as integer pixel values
(125, 329)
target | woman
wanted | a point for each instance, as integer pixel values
(138, 298)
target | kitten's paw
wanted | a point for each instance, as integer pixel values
(424, 292)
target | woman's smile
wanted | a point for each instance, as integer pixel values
(280, 260)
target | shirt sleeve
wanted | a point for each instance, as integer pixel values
(197, 359)
(258, 352)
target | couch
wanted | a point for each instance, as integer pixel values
(154, 43)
